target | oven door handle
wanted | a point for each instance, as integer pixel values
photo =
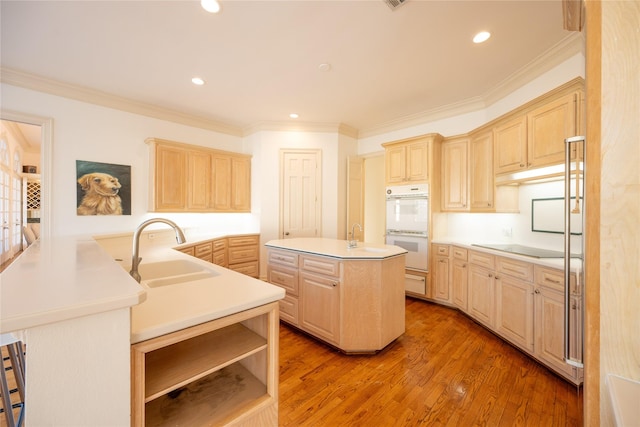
(407, 233)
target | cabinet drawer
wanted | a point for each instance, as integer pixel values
(326, 266)
(286, 278)
(243, 254)
(244, 240)
(247, 268)
(441, 250)
(289, 309)
(282, 257)
(220, 258)
(483, 259)
(554, 279)
(189, 251)
(460, 253)
(219, 245)
(520, 269)
(203, 250)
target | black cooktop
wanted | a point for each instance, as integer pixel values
(523, 250)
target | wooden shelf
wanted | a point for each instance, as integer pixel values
(177, 365)
(215, 399)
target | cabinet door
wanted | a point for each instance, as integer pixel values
(548, 126)
(482, 189)
(417, 168)
(514, 319)
(199, 187)
(441, 281)
(320, 306)
(549, 327)
(482, 295)
(510, 146)
(455, 174)
(395, 164)
(170, 179)
(459, 282)
(221, 182)
(240, 184)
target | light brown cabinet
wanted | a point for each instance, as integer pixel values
(482, 288)
(522, 302)
(441, 282)
(455, 171)
(320, 297)
(244, 253)
(231, 362)
(514, 301)
(460, 278)
(550, 321)
(239, 253)
(407, 162)
(535, 137)
(481, 183)
(356, 305)
(187, 178)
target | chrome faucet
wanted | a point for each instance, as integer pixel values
(135, 257)
(353, 242)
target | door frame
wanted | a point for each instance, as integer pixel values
(46, 164)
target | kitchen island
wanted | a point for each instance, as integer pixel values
(79, 312)
(350, 298)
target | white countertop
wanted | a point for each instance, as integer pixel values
(337, 248)
(174, 307)
(576, 264)
(73, 277)
(62, 279)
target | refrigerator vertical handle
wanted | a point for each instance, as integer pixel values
(567, 241)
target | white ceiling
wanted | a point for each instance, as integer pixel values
(260, 58)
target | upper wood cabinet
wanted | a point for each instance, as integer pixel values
(407, 161)
(455, 171)
(534, 137)
(481, 183)
(510, 145)
(188, 178)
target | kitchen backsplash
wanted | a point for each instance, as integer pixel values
(506, 227)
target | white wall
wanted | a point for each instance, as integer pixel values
(83, 131)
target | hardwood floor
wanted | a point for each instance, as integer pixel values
(444, 371)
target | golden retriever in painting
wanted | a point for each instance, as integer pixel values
(100, 195)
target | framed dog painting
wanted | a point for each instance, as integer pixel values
(103, 188)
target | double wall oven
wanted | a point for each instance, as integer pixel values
(407, 226)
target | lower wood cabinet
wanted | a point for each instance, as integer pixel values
(239, 253)
(231, 363)
(244, 252)
(356, 305)
(521, 301)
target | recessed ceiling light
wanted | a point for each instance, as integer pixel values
(293, 115)
(324, 67)
(210, 5)
(197, 81)
(482, 36)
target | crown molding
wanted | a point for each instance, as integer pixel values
(79, 93)
(569, 46)
(566, 48)
(339, 128)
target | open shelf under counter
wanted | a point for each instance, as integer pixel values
(176, 365)
(221, 372)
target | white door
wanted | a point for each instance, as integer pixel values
(300, 213)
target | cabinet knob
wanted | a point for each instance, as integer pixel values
(521, 165)
(490, 275)
(286, 233)
(537, 291)
(334, 284)
(464, 265)
(497, 277)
